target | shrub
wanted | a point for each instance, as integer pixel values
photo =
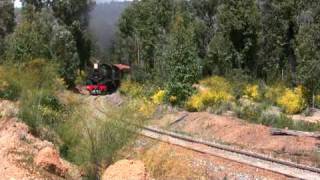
(39, 108)
(218, 92)
(270, 116)
(145, 107)
(92, 143)
(292, 101)
(206, 98)
(273, 93)
(81, 78)
(317, 101)
(131, 88)
(275, 120)
(158, 97)
(249, 111)
(217, 83)
(251, 92)
(9, 86)
(173, 99)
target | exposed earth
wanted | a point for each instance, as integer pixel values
(243, 135)
(20, 152)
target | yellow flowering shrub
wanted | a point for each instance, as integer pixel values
(131, 88)
(173, 99)
(292, 101)
(158, 97)
(217, 91)
(251, 92)
(146, 108)
(274, 92)
(317, 100)
(217, 83)
(204, 99)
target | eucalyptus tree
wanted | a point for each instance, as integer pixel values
(141, 28)
(44, 37)
(72, 13)
(308, 48)
(205, 16)
(7, 21)
(180, 53)
(235, 44)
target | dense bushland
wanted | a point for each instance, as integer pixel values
(49, 30)
(267, 40)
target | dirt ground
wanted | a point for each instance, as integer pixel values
(166, 162)
(18, 149)
(244, 135)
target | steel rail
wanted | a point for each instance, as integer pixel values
(277, 165)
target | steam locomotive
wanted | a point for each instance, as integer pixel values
(105, 78)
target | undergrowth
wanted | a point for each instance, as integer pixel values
(263, 114)
(83, 139)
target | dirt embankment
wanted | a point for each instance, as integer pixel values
(19, 152)
(244, 135)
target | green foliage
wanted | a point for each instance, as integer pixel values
(93, 143)
(44, 37)
(75, 19)
(39, 108)
(7, 21)
(235, 44)
(263, 114)
(10, 88)
(142, 27)
(308, 57)
(34, 84)
(217, 83)
(30, 39)
(270, 40)
(132, 89)
(183, 62)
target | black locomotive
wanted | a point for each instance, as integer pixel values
(104, 78)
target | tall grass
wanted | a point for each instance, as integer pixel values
(92, 143)
(34, 84)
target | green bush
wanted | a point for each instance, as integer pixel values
(263, 114)
(39, 108)
(132, 89)
(10, 88)
(92, 143)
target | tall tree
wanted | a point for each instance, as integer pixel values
(279, 31)
(44, 37)
(205, 12)
(141, 27)
(75, 15)
(238, 29)
(308, 49)
(180, 53)
(7, 21)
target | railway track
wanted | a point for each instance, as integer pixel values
(287, 168)
(260, 161)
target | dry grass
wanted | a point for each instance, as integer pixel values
(164, 163)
